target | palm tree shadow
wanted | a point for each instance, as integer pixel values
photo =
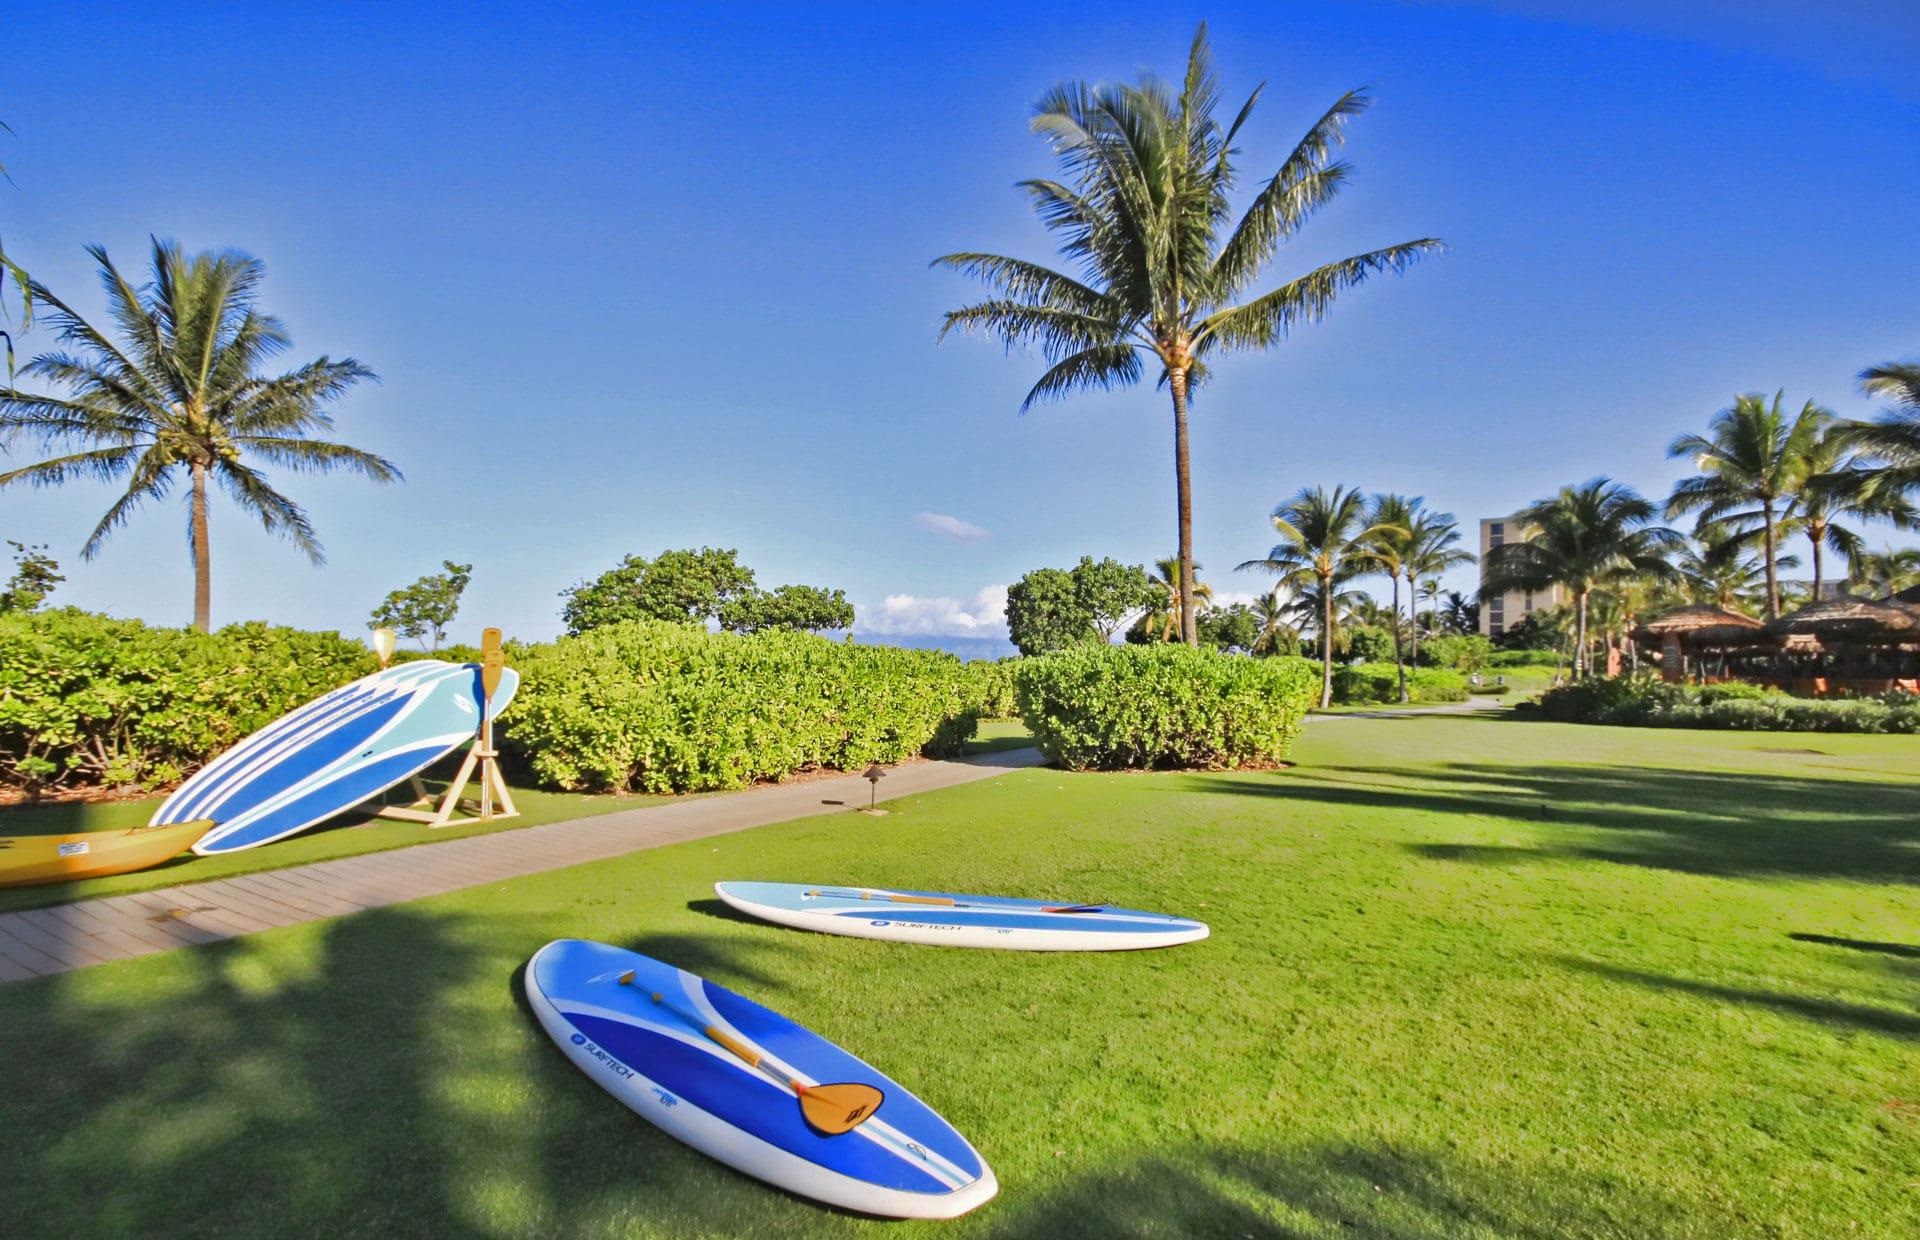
(1830, 1012)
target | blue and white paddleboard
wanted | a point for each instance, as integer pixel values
(335, 752)
(657, 1038)
(951, 920)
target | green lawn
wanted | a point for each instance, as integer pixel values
(1469, 977)
(998, 735)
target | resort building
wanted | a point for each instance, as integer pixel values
(1499, 612)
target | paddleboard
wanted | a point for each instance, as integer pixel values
(334, 753)
(29, 859)
(681, 1061)
(952, 920)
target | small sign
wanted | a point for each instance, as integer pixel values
(77, 848)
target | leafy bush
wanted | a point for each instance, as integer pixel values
(87, 699)
(1361, 684)
(1112, 707)
(1463, 652)
(672, 708)
(1733, 706)
(1367, 644)
(990, 687)
(1524, 658)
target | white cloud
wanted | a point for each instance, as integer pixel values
(1227, 598)
(984, 615)
(951, 527)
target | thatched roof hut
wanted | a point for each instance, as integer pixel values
(1847, 617)
(1701, 624)
(1910, 596)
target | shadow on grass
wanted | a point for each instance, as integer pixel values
(1704, 822)
(1825, 1011)
(1904, 950)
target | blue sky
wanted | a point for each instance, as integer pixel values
(660, 278)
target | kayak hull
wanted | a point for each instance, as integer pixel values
(28, 860)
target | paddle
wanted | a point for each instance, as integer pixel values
(829, 1109)
(949, 901)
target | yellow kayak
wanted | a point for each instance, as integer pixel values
(28, 859)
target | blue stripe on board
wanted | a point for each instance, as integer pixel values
(306, 760)
(260, 750)
(824, 1062)
(753, 1104)
(987, 919)
(331, 797)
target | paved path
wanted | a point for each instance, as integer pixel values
(38, 942)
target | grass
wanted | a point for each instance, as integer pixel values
(997, 736)
(1469, 977)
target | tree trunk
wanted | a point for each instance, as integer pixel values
(1814, 533)
(1399, 662)
(1580, 661)
(1773, 576)
(1413, 627)
(1326, 642)
(202, 568)
(1183, 490)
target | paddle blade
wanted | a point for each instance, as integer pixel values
(1074, 908)
(492, 662)
(834, 1109)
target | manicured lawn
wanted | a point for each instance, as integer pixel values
(358, 833)
(1469, 977)
(998, 735)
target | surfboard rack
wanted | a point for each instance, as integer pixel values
(493, 801)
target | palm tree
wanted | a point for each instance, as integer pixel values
(1753, 464)
(1888, 571)
(1458, 613)
(1167, 613)
(1325, 540)
(1893, 439)
(1141, 211)
(1434, 548)
(1274, 613)
(1586, 537)
(179, 392)
(1391, 547)
(1839, 485)
(1725, 575)
(21, 280)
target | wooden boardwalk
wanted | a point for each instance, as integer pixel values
(39, 942)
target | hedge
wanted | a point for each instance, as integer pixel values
(90, 700)
(1359, 684)
(990, 687)
(656, 707)
(1114, 707)
(1733, 706)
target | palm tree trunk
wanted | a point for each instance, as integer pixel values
(1413, 627)
(202, 568)
(1773, 576)
(1580, 661)
(1183, 490)
(1326, 642)
(1813, 535)
(1399, 663)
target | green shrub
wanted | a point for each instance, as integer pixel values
(1732, 706)
(990, 687)
(1361, 684)
(659, 707)
(87, 699)
(1462, 652)
(1113, 707)
(1524, 658)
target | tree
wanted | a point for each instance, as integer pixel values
(1276, 634)
(1233, 627)
(1891, 441)
(1888, 571)
(1458, 613)
(35, 574)
(1141, 210)
(1390, 547)
(1171, 590)
(21, 280)
(681, 587)
(1583, 538)
(425, 608)
(1753, 467)
(180, 392)
(1046, 613)
(1433, 549)
(807, 609)
(1111, 593)
(1723, 574)
(1325, 540)
(1837, 486)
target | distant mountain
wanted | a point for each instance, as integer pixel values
(965, 647)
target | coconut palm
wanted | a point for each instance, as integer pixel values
(1391, 547)
(1143, 212)
(1458, 613)
(1586, 537)
(1839, 486)
(1166, 614)
(1434, 548)
(1724, 575)
(1887, 571)
(1273, 612)
(178, 392)
(1326, 540)
(1752, 463)
(1892, 441)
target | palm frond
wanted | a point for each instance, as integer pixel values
(1267, 319)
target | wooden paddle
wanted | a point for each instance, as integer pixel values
(829, 1109)
(950, 902)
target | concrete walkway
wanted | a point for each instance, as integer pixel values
(39, 942)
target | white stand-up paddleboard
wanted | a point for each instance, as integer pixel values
(750, 1088)
(951, 920)
(339, 750)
